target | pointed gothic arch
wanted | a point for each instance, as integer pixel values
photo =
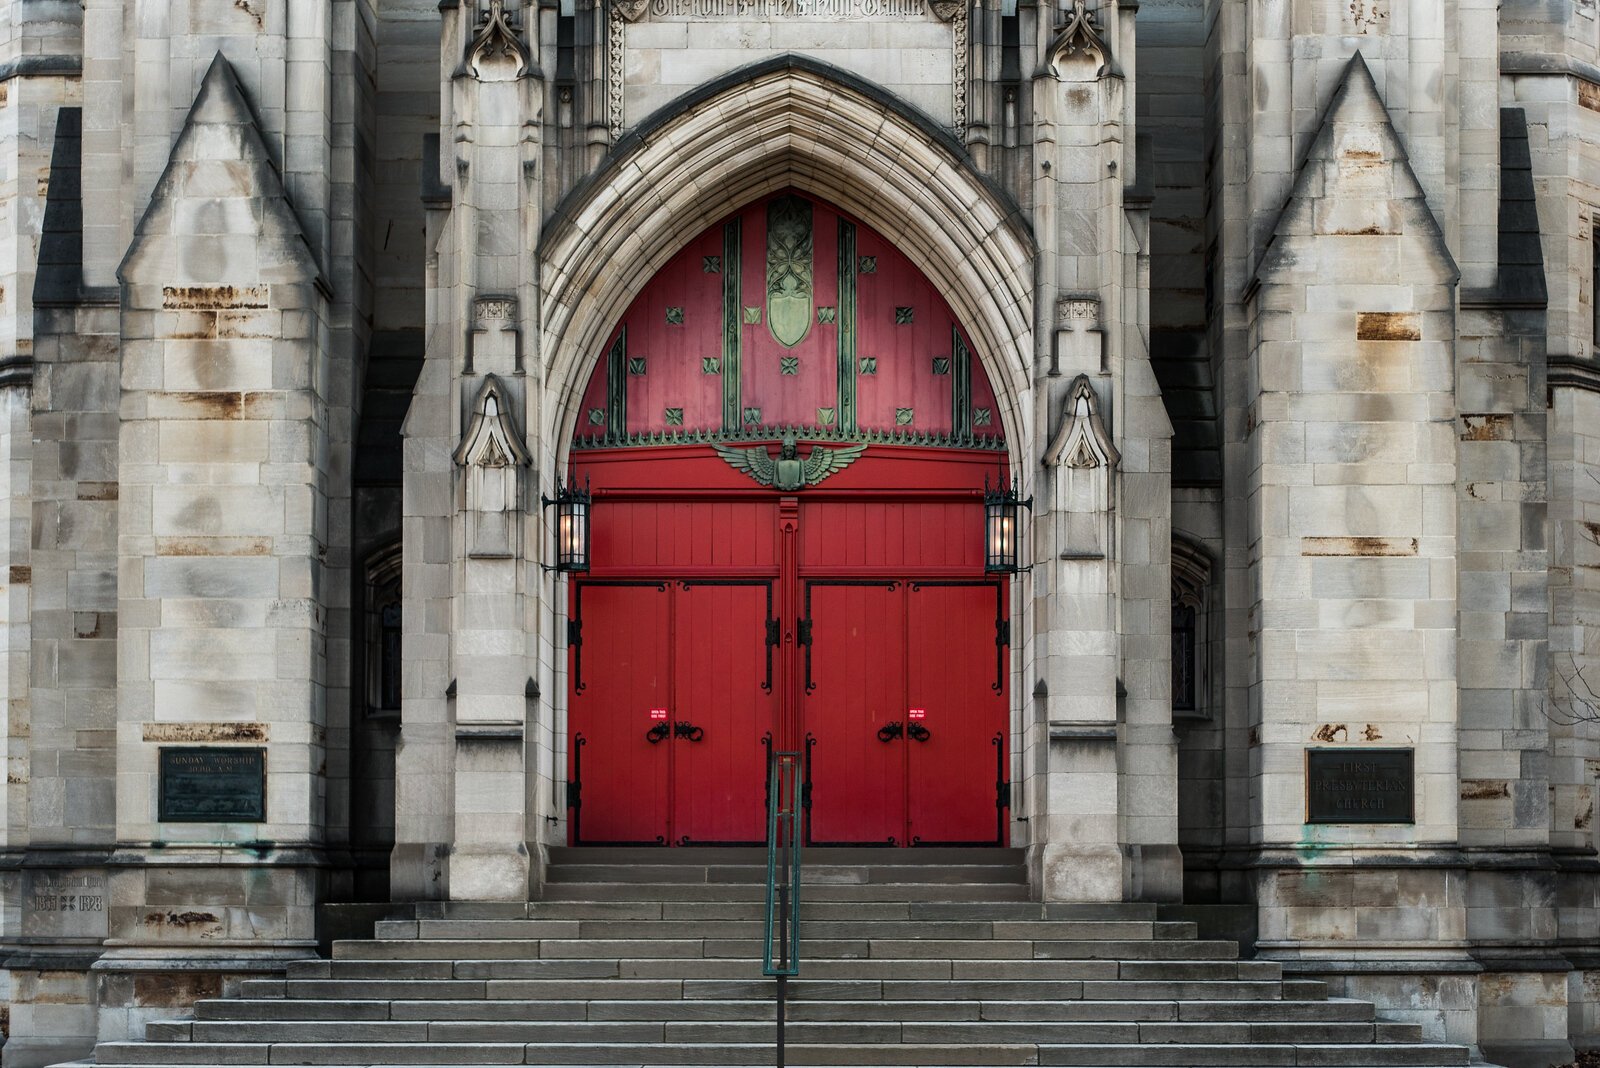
(787, 123)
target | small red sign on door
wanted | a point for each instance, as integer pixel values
(917, 713)
(658, 713)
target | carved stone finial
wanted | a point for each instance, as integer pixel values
(497, 52)
(1082, 442)
(1078, 37)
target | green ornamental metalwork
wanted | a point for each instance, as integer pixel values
(789, 271)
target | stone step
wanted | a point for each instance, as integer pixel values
(744, 987)
(754, 892)
(842, 927)
(951, 1008)
(750, 1029)
(1177, 1054)
(753, 907)
(686, 967)
(1322, 1055)
(812, 948)
(647, 959)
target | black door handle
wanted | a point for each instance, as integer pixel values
(890, 731)
(684, 729)
(660, 732)
(918, 732)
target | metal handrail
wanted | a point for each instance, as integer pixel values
(781, 956)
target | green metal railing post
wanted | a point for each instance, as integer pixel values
(781, 955)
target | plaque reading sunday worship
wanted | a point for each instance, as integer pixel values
(1360, 786)
(212, 784)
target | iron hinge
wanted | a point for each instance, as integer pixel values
(803, 632)
(774, 632)
(574, 632)
(574, 795)
(1002, 795)
(1002, 632)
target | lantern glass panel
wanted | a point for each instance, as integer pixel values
(1000, 533)
(572, 533)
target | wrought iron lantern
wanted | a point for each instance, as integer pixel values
(1002, 527)
(572, 525)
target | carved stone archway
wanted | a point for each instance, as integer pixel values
(789, 122)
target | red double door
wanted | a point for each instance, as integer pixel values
(893, 689)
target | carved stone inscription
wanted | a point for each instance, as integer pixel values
(64, 904)
(801, 9)
(1360, 786)
(213, 785)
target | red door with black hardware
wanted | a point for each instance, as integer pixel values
(671, 708)
(788, 435)
(905, 711)
(855, 689)
(957, 693)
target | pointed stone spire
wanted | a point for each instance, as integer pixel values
(1356, 181)
(219, 213)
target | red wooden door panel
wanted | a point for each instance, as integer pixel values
(724, 688)
(855, 688)
(957, 683)
(621, 670)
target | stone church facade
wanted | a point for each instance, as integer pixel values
(1280, 318)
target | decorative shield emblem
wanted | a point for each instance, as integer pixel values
(789, 269)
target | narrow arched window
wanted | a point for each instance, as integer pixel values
(1185, 657)
(382, 611)
(1191, 591)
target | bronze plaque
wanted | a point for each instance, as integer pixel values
(211, 784)
(1360, 786)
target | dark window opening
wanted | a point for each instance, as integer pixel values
(1185, 665)
(383, 629)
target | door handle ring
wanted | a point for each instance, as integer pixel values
(660, 732)
(890, 731)
(684, 729)
(918, 732)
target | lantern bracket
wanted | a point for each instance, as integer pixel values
(997, 498)
(567, 495)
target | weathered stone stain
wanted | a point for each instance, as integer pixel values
(205, 732)
(212, 298)
(1484, 789)
(179, 920)
(171, 989)
(1493, 426)
(1388, 326)
(195, 546)
(1358, 546)
(1589, 94)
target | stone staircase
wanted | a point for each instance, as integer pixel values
(910, 957)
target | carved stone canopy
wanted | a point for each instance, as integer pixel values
(491, 439)
(1081, 442)
(1077, 38)
(496, 52)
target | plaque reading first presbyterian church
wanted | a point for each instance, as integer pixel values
(212, 784)
(1360, 786)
